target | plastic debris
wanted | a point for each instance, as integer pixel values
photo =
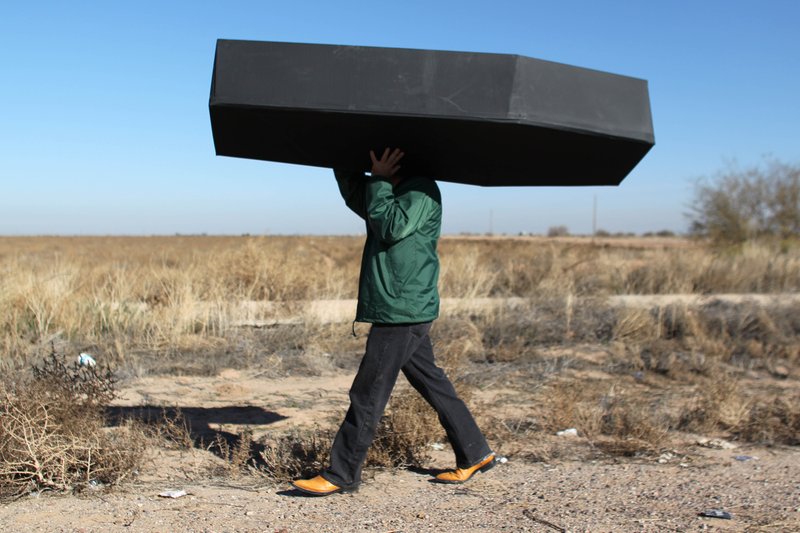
(716, 513)
(744, 458)
(571, 432)
(502, 459)
(84, 359)
(437, 446)
(173, 494)
(716, 444)
(666, 457)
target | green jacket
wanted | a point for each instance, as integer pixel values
(399, 267)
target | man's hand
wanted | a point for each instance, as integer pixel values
(387, 165)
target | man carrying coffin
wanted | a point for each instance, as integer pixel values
(398, 295)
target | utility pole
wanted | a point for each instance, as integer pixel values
(594, 217)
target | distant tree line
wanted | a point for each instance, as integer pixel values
(563, 231)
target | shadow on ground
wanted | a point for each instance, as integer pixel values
(198, 422)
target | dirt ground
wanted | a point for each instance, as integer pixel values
(664, 493)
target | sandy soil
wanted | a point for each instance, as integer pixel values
(761, 494)
(652, 494)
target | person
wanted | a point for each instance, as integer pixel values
(398, 295)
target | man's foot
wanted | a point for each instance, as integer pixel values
(319, 486)
(462, 475)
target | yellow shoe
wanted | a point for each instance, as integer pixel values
(461, 475)
(318, 486)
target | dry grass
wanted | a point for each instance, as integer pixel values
(128, 296)
(164, 305)
(52, 434)
(406, 433)
(237, 455)
(403, 439)
(131, 295)
(619, 419)
(775, 420)
(299, 454)
(724, 404)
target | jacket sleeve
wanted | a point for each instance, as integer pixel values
(351, 186)
(392, 217)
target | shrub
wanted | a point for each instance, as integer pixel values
(52, 435)
(405, 433)
(742, 204)
(557, 231)
(772, 421)
(301, 454)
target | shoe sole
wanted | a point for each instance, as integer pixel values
(488, 466)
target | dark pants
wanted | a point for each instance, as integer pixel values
(391, 348)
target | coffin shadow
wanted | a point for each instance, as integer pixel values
(198, 422)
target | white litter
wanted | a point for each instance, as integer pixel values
(84, 359)
(173, 494)
(716, 444)
(665, 458)
(571, 432)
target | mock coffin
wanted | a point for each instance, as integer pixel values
(484, 119)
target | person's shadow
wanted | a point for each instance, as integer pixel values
(197, 423)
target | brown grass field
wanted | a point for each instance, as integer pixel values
(232, 356)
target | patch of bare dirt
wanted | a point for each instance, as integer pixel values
(761, 495)
(262, 404)
(567, 493)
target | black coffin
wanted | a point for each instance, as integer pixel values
(485, 119)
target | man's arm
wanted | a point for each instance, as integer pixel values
(395, 217)
(351, 186)
(351, 182)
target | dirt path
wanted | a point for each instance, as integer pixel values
(762, 493)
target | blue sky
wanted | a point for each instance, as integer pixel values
(105, 130)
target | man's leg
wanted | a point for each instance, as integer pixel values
(388, 347)
(468, 442)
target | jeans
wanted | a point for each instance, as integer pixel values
(390, 349)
